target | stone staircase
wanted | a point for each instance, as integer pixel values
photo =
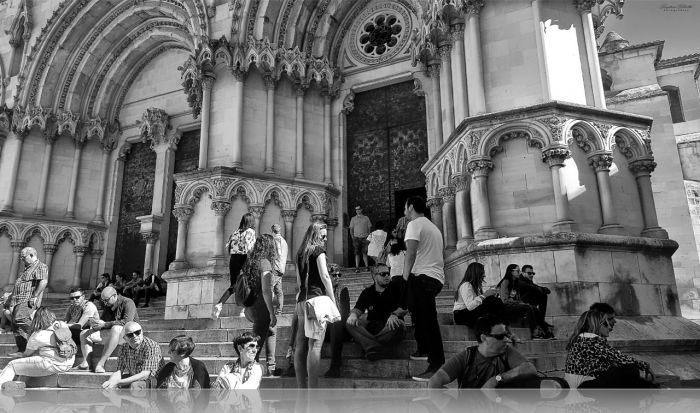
(678, 356)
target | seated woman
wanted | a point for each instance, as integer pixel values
(183, 371)
(592, 363)
(244, 372)
(119, 283)
(105, 281)
(42, 356)
(471, 301)
(513, 308)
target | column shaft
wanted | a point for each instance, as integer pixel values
(642, 170)
(446, 99)
(475, 68)
(288, 217)
(601, 164)
(207, 84)
(463, 210)
(14, 157)
(148, 259)
(556, 157)
(270, 126)
(44, 183)
(16, 259)
(459, 75)
(327, 171)
(220, 208)
(181, 249)
(237, 147)
(481, 206)
(94, 268)
(435, 205)
(541, 53)
(70, 210)
(102, 188)
(449, 224)
(162, 186)
(593, 62)
(299, 152)
(434, 71)
(77, 272)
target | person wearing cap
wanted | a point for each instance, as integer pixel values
(360, 227)
(118, 310)
(138, 361)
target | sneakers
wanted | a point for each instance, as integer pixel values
(425, 376)
(216, 310)
(419, 356)
(273, 371)
(357, 270)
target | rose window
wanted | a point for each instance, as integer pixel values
(381, 33)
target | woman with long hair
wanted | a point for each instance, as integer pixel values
(471, 301)
(42, 356)
(183, 371)
(258, 271)
(239, 244)
(513, 308)
(316, 304)
(592, 363)
(244, 372)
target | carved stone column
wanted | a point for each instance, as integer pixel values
(474, 60)
(220, 208)
(459, 74)
(16, 259)
(207, 85)
(446, 100)
(327, 168)
(434, 73)
(299, 90)
(150, 238)
(288, 215)
(449, 220)
(49, 251)
(584, 8)
(479, 170)
(183, 213)
(78, 142)
(79, 257)
(257, 212)
(13, 157)
(435, 205)
(270, 85)
(94, 267)
(463, 210)
(102, 188)
(45, 170)
(642, 170)
(237, 107)
(555, 157)
(601, 164)
(331, 224)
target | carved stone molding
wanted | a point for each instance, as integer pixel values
(183, 213)
(220, 207)
(50, 249)
(642, 167)
(67, 121)
(601, 162)
(434, 204)
(556, 156)
(460, 182)
(480, 167)
(581, 139)
(471, 7)
(257, 210)
(150, 237)
(349, 103)
(81, 251)
(80, 234)
(155, 126)
(584, 6)
(288, 215)
(447, 193)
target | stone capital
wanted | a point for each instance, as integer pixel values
(460, 182)
(50, 249)
(349, 103)
(270, 81)
(288, 215)
(434, 69)
(96, 254)
(472, 7)
(584, 6)
(457, 32)
(447, 194)
(319, 218)
(81, 251)
(480, 167)
(220, 207)
(150, 237)
(155, 126)
(300, 89)
(17, 245)
(642, 167)
(239, 75)
(556, 156)
(601, 161)
(183, 213)
(434, 203)
(444, 52)
(332, 222)
(208, 80)
(257, 211)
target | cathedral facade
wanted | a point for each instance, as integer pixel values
(134, 134)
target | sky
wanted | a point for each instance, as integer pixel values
(675, 21)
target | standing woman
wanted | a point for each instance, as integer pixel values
(316, 304)
(239, 244)
(471, 301)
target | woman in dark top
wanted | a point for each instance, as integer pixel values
(514, 309)
(315, 305)
(183, 371)
(258, 270)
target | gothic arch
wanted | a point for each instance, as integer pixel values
(245, 191)
(285, 201)
(585, 135)
(42, 230)
(534, 134)
(21, 27)
(68, 233)
(95, 240)
(10, 229)
(629, 143)
(192, 194)
(446, 173)
(309, 201)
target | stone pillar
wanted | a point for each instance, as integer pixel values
(207, 84)
(327, 168)
(331, 224)
(592, 56)
(601, 163)
(78, 143)
(270, 84)
(642, 170)
(13, 157)
(45, 170)
(541, 55)
(434, 73)
(257, 212)
(150, 238)
(435, 205)
(164, 146)
(446, 100)
(183, 213)
(449, 224)
(474, 60)
(555, 157)
(102, 188)
(459, 74)
(479, 170)
(220, 208)
(288, 215)
(94, 267)
(16, 259)
(49, 251)
(300, 90)
(463, 210)
(79, 256)
(237, 104)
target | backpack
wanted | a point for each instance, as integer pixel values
(243, 292)
(64, 342)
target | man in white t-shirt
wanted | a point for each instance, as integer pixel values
(279, 266)
(423, 270)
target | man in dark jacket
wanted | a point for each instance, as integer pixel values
(534, 295)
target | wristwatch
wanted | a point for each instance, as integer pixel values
(499, 378)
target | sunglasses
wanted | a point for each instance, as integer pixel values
(106, 300)
(530, 273)
(133, 334)
(251, 346)
(74, 297)
(384, 274)
(499, 336)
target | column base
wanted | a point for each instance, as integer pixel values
(179, 265)
(98, 221)
(69, 215)
(655, 232)
(237, 164)
(218, 261)
(299, 176)
(485, 233)
(269, 171)
(464, 243)
(193, 292)
(39, 212)
(612, 229)
(563, 226)
(7, 211)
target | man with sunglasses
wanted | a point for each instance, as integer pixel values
(79, 313)
(492, 363)
(118, 311)
(137, 362)
(536, 296)
(384, 324)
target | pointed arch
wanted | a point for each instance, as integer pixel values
(534, 133)
(39, 229)
(10, 229)
(583, 134)
(243, 190)
(283, 199)
(629, 143)
(307, 200)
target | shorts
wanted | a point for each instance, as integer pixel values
(360, 244)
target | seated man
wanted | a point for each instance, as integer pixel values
(148, 286)
(117, 312)
(105, 280)
(534, 295)
(384, 324)
(493, 362)
(138, 361)
(79, 312)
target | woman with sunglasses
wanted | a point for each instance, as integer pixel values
(244, 372)
(183, 371)
(592, 363)
(316, 306)
(514, 309)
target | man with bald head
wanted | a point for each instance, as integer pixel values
(137, 362)
(117, 312)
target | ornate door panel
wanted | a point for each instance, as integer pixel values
(386, 147)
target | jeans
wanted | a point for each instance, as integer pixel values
(374, 342)
(37, 366)
(421, 293)
(261, 327)
(22, 324)
(277, 291)
(490, 305)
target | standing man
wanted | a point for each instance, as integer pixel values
(26, 295)
(278, 267)
(360, 227)
(423, 271)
